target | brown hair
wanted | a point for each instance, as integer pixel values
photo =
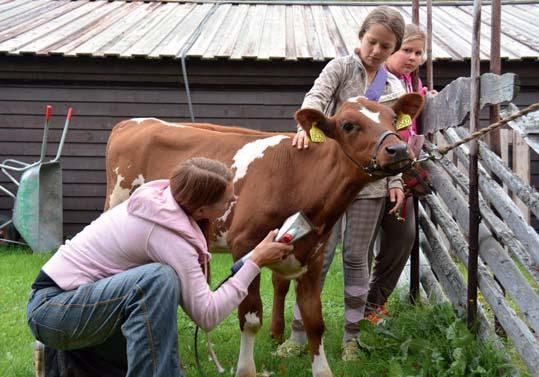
(198, 182)
(387, 17)
(414, 32)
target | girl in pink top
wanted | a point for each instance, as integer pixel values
(124, 275)
(394, 251)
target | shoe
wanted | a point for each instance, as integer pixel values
(378, 315)
(290, 348)
(350, 350)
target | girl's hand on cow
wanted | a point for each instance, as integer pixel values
(396, 195)
(268, 251)
(301, 140)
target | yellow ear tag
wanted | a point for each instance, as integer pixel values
(316, 134)
(403, 121)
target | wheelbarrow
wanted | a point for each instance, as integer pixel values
(38, 209)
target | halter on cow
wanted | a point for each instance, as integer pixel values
(272, 181)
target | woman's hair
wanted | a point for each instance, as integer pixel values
(413, 32)
(387, 17)
(198, 182)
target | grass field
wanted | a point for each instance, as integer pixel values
(414, 341)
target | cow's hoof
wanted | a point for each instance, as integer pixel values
(246, 372)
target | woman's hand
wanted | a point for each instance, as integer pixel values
(396, 195)
(301, 140)
(269, 251)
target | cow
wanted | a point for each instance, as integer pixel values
(273, 180)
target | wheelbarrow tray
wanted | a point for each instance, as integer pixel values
(37, 213)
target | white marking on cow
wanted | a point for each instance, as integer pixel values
(246, 362)
(139, 181)
(250, 152)
(172, 124)
(289, 268)
(140, 120)
(118, 194)
(375, 117)
(320, 364)
(220, 239)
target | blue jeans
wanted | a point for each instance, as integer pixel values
(141, 303)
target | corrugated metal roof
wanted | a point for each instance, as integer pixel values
(262, 31)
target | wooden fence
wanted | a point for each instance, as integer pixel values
(508, 266)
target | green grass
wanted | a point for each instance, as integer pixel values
(414, 341)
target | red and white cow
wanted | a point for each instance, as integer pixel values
(272, 180)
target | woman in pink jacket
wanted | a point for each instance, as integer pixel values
(127, 272)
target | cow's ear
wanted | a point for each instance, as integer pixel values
(410, 104)
(307, 118)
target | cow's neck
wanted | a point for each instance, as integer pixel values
(340, 184)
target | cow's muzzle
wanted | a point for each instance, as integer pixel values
(396, 154)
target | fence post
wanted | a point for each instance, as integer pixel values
(473, 202)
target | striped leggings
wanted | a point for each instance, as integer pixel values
(366, 219)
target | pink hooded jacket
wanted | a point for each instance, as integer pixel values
(150, 227)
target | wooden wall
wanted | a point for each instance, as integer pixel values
(259, 95)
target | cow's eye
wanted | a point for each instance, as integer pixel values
(347, 127)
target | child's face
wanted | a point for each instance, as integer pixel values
(408, 58)
(376, 45)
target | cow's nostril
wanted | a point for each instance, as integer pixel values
(397, 151)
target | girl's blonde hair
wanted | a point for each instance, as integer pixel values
(387, 17)
(413, 32)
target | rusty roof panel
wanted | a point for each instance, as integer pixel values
(258, 30)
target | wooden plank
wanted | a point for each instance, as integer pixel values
(447, 272)
(334, 32)
(71, 42)
(523, 340)
(66, 32)
(6, 6)
(19, 44)
(172, 45)
(521, 161)
(491, 252)
(153, 37)
(321, 27)
(114, 31)
(520, 187)
(313, 42)
(347, 27)
(250, 37)
(451, 106)
(300, 32)
(73, 136)
(495, 224)
(19, 12)
(210, 32)
(11, 30)
(32, 149)
(123, 47)
(510, 213)
(142, 95)
(274, 32)
(290, 34)
(234, 27)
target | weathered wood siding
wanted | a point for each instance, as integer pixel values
(259, 95)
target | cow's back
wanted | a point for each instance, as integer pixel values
(140, 151)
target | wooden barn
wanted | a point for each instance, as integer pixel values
(248, 63)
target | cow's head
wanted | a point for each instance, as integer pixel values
(366, 132)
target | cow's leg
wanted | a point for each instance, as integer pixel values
(310, 306)
(250, 316)
(280, 289)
